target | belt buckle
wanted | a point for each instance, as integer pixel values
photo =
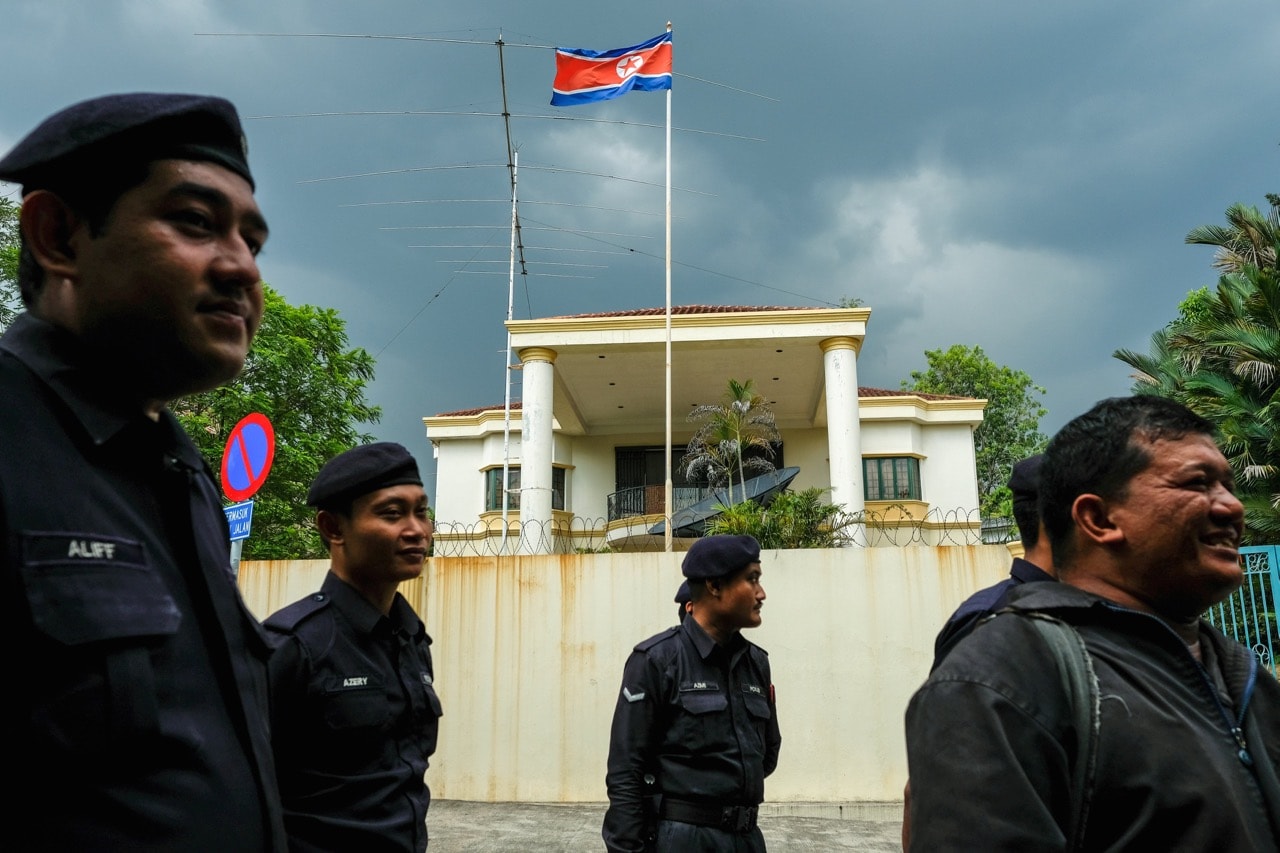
(738, 818)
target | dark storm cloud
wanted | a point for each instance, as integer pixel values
(1010, 175)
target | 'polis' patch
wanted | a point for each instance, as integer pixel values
(43, 548)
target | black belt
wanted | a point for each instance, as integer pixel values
(728, 818)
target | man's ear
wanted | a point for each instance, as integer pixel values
(1094, 520)
(48, 224)
(330, 526)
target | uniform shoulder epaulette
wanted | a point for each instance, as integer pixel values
(645, 645)
(289, 618)
(756, 649)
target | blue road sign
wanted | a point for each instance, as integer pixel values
(239, 519)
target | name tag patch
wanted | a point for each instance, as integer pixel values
(356, 681)
(687, 686)
(65, 548)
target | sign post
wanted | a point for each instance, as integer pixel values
(246, 461)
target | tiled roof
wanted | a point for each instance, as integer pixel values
(862, 392)
(684, 309)
(885, 392)
(466, 413)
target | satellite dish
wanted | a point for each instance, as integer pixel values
(692, 521)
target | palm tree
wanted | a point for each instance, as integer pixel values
(1248, 238)
(1160, 371)
(1225, 365)
(1221, 358)
(718, 451)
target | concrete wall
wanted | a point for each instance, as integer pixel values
(529, 651)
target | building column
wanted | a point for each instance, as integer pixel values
(536, 535)
(844, 442)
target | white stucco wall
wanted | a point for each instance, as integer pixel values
(529, 651)
(948, 475)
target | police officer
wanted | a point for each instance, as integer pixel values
(354, 710)
(682, 600)
(696, 712)
(138, 702)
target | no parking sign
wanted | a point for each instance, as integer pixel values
(247, 458)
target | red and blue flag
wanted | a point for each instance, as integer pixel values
(586, 76)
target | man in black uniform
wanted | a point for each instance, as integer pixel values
(696, 712)
(139, 701)
(353, 707)
(1036, 564)
(682, 600)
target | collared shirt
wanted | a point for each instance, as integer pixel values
(982, 604)
(698, 717)
(355, 716)
(143, 675)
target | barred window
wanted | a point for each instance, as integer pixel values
(891, 478)
(493, 488)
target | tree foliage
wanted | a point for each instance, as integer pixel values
(10, 300)
(721, 448)
(1220, 357)
(1010, 428)
(311, 386)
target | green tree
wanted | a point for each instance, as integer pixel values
(10, 299)
(1221, 358)
(736, 436)
(1010, 428)
(1249, 238)
(304, 378)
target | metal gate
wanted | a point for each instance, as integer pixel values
(1249, 615)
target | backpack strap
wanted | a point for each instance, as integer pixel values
(1080, 682)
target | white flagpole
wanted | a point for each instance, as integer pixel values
(667, 491)
(503, 490)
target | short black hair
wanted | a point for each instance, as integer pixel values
(92, 193)
(1026, 514)
(698, 587)
(1100, 451)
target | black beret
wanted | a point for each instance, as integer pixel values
(139, 127)
(682, 594)
(362, 470)
(716, 556)
(1025, 480)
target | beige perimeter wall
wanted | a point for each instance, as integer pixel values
(528, 656)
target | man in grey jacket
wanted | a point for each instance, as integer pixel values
(1139, 506)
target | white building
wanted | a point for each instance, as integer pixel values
(586, 448)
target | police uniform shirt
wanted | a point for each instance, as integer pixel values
(137, 701)
(699, 718)
(355, 716)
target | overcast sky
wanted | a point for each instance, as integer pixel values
(1014, 175)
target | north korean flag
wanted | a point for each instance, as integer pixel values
(586, 76)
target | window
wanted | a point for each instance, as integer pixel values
(892, 478)
(493, 488)
(646, 466)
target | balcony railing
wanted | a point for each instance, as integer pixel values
(648, 500)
